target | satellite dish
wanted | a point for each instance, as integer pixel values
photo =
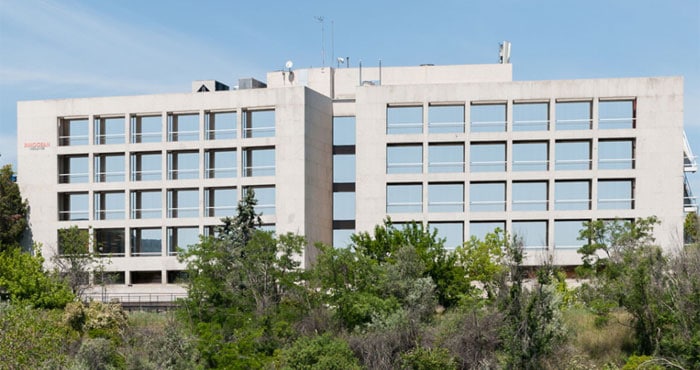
(341, 60)
(289, 64)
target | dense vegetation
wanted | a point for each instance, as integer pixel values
(394, 299)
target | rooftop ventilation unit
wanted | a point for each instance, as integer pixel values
(504, 53)
(207, 86)
(250, 83)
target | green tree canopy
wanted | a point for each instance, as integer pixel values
(13, 210)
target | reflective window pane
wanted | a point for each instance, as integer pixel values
(146, 166)
(343, 168)
(487, 197)
(220, 202)
(445, 119)
(404, 120)
(109, 167)
(573, 115)
(445, 197)
(182, 238)
(616, 114)
(490, 157)
(402, 198)
(341, 238)
(488, 118)
(532, 233)
(265, 196)
(109, 205)
(452, 232)
(343, 206)
(529, 196)
(73, 132)
(146, 204)
(445, 158)
(146, 242)
(343, 130)
(530, 156)
(259, 123)
(183, 203)
(220, 164)
(260, 162)
(221, 125)
(615, 154)
(566, 234)
(530, 116)
(110, 130)
(73, 206)
(615, 194)
(479, 229)
(572, 195)
(404, 159)
(572, 155)
(73, 169)
(146, 129)
(183, 127)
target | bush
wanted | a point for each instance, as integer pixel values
(99, 354)
(322, 352)
(428, 359)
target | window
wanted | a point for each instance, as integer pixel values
(616, 114)
(109, 242)
(341, 238)
(183, 127)
(572, 155)
(615, 194)
(572, 195)
(146, 277)
(488, 117)
(259, 123)
(343, 168)
(404, 159)
(452, 232)
(266, 199)
(73, 206)
(109, 167)
(146, 204)
(446, 197)
(259, 162)
(220, 202)
(566, 233)
(181, 238)
(183, 203)
(343, 131)
(343, 206)
(573, 115)
(109, 130)
(404, 120)
(444, 158)
(73, 169)
(177, 277)
(73, 132)
(487, 196)
(529, 196)
(146, 129)
(109, 277)
(615, 154)
(220, 164)
(530, 156)
(183, 165)
(533, 234)
(146, 242)
(444, 119)
(530, 116)
(487, 157)
(404, 198)
(146, 166)
(479, 229)
(220, 125)
(109, 205)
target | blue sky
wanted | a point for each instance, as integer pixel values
(62, 49)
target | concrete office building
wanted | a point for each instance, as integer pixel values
(463, 149)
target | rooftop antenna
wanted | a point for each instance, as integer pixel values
(340, 61)
(320, 19)
(504, 53)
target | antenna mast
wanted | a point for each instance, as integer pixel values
(320, 19)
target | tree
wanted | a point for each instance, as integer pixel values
(691, 228)
(13, 210)
(73, 259)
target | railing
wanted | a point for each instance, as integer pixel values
(259, 171)
(487, 206)
(404, 128)
(109, 214)
(488, 166)
(139, 213)
(183, 212)
(612, 203)
(73, 215)
(69, 140)
(540, 165)
(191, 135)
(73, 178)
(445, 206)
(615, 123)
(574, 124)
(488, 126)
(211, 211)
(572, 204)
(530, 205)
(138, 137)
(183, 174)
(572, 164)
(445, 167)
(221, 134)
(102, 139)
(405, 167)
(221, 172)
(265, 131)
(109, 176)
(615, 163)
(445, 127)
(404, 207)
(531, 125)
(146, 175)
(134, 297)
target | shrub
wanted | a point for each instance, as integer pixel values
(322, 352)
(428, 359)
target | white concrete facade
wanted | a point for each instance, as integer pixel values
(305, 102)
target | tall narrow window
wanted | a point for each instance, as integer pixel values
(444, 119)
(530, 116)
(343, 206)
(146, 129)
(404, 198)
(572, 195)
(73, 132)
(109, 167)
(220, 125)
(404, 158)
(109, 205)
(259, 123)
(566, 234)
(529, 196)
(446, 197)
(451, 232)
(220, 164)
(533, 234)
(183, 165)
(110, 130)
(444, 158)
(487, 196)
(220, 202)
(487, 157)
(615, 194)
(572, 155)
(183, 203)
(73, 169)
(183, 127)
(404, 120)
(341, 237)
(616, 114)
(146, 166)
(260, 162)
(616, 154)
(573, 115)
(488, 117)
(73, 206)
(146, 242)
(530, 156)
(343, 131)
(146, 204)
(343, 168)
